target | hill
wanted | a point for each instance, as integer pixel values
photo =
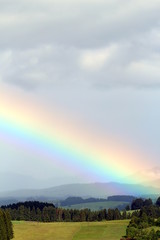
(123, 198)
(78, 200)
(96, 206)
(95, 190)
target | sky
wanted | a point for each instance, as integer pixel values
(79, 92)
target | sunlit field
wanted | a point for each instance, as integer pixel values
(112, 230)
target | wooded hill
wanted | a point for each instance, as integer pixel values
(77, 200)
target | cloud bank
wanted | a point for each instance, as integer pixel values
(100, 44)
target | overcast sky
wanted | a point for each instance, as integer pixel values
(97, 61)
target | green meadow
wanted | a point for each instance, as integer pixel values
(112, 230)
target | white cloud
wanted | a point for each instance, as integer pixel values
(95, 59)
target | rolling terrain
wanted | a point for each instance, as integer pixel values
(96, 190)
(95, 206)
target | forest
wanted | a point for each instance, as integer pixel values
(47, 212)
(44, 212)
(145, 223)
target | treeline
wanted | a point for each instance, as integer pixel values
(33, 211)
(121, 198)
(29, 204)
(78, 200)
(139, 203)
(47, 212)
(143, 221)
(6, 230)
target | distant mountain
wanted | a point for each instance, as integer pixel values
(7, 201)
(96, 190)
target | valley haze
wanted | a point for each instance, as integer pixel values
(95, 190)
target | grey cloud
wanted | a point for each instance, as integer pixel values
(79, 24)
(45, 65)
(45, 42)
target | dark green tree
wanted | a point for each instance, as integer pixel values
(158, 202)
(6, 230)
(137, 204)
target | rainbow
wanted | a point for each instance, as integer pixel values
(54, 138)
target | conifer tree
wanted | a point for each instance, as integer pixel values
(9, 225)
(6, 230)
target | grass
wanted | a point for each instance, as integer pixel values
(112, 230)
(97, 205)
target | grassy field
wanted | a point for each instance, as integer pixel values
(111, 230)
(97, 205)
